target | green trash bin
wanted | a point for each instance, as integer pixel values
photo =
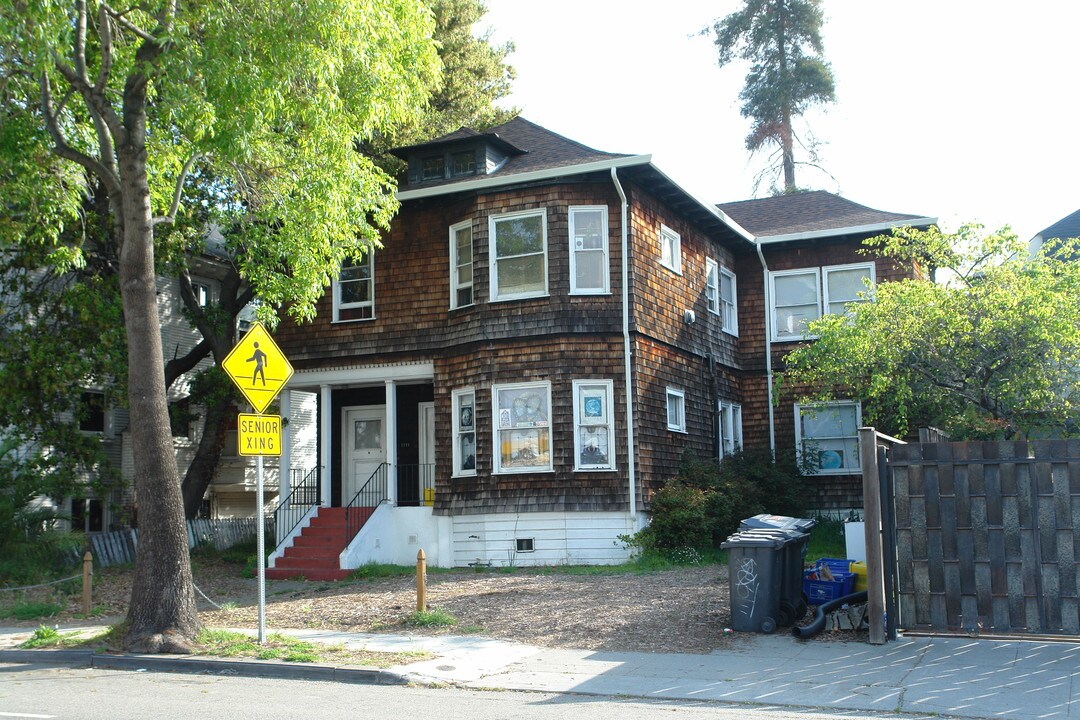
(755, 565)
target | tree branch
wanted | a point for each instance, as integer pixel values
(170, 217)
(176, 367)
(80, 41)
(64, 150)
(105, 36)
(127, 24)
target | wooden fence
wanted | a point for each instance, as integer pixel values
(118, 547)
(988, 535)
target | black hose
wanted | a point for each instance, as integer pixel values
(818, 623)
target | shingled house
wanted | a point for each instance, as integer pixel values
(539, 309)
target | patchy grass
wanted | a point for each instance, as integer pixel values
(30, 610)
(227, 643)
(47, 637)
(372, 571)
(826, 540)
(436, 617)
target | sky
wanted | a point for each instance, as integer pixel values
(959, 110)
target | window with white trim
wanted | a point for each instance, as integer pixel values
(593, 428)
(800, 296)
(844, 284)
(712, 286)
(518, 249)
(522, 420)
(589, 250)
(461, 265)
(464, 408)
(827, 436)
(201, 290)
(730, 415)
(354, 290)
(676, 410)
(729, 308)
(670, 249)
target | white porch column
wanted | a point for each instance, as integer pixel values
(391, 442)
(325, 425)
(285, 461)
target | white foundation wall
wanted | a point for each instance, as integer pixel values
(577, 538)
(393, 535)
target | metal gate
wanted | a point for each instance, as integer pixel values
(987, 536)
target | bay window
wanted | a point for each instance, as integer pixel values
(518, 248)
(522, 418)
(593, 428)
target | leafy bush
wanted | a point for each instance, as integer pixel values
(705, 503)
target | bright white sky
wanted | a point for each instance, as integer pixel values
(955, 109)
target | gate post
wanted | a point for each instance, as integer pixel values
(875, 571)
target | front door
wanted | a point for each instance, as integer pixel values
(364, 442)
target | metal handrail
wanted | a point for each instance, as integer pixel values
(370, 495)
(414, 482)
(291, 511)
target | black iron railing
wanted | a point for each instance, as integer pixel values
(365, 501)
(416, 484)
(303, 495)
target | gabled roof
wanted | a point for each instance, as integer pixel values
(808, 215)
(1066, 227)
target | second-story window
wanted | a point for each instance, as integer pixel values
(354, 290)
(670, 249)
(461, 265)
(588, 250)
(202, 293)
(518, 249)
(729, 308)
(676, 410)
(712, 286)
(801, 296)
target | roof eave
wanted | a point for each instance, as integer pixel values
(852, 230)
(493, 181)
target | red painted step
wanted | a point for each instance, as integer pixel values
(314, 553)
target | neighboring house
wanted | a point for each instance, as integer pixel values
(810, 244)
(547, 330)
(1065, 228)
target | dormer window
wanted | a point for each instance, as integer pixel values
(434, 168)
(463, 163)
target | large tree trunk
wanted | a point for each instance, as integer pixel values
(162, 615)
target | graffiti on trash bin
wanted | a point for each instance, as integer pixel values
(746, 586)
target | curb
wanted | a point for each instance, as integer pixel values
(207, 666)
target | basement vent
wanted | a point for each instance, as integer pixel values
(524, 544)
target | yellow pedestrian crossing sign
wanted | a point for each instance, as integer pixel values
(258, 367)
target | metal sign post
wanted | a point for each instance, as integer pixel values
(257, 366)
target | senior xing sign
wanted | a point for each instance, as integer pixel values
(259, 434)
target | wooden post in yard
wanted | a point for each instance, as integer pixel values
(875, 570)
(421, 581)
(87, 582)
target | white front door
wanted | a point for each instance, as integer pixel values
(364, 443)
(427, 453)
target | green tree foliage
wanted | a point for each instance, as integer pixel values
(781, 39)
(990, 351)
(270, 101)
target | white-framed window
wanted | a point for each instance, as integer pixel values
(464, 409)
(670, 249)
(729, 307)
(589, 250)
(518, 249)
(712, 286)
(844, 283)
(461, 265)
(827, 436)
(795, 302)
(801, 296)
(676, 410)
(521, 415)
(730, 416)
(594, 447)
(354, 290)
(201, 291)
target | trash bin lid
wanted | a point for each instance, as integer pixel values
(784, 535)
(765, 520)
(752, 539)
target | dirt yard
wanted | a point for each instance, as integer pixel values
(679, 610)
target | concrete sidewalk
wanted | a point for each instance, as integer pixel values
(926, 676)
